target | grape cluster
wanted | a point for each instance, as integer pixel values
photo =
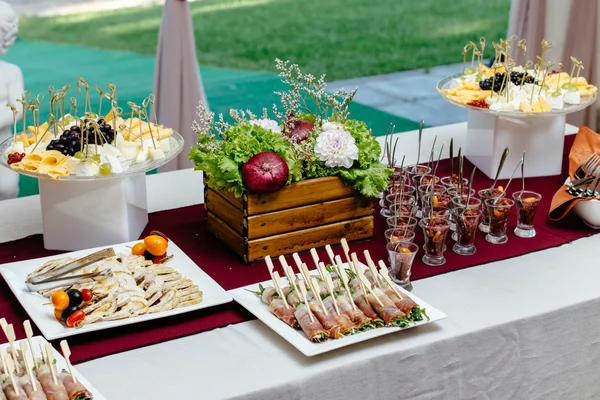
(69, 142)
(497, 81)
(517, 77)
(15, 157)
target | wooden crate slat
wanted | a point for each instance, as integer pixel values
(305, 239)
(301, 193)
(227, 235)
(226, 211)
(297, 218)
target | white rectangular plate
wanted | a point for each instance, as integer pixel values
(15, 275)
(60, 364)
(299, 340)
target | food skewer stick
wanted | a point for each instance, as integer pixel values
(2, 361)
(346, 249)
(15, 112)
(330, 254)
(270, 265)
(298, 262)
(10, 330)
(372, 267)
(277, 282)
(344, 278)
(315, 284)
(289, 272)
(64, 346)
(522, 45)
(28, 363)
(9, 369)
(367, 284)
(527, 66)
(545, 73)
(354, 268)
(50, 361)
(305, 299)
(4, 326)
(315, 258)
(383, 270)
(29, 334)
(329, 284)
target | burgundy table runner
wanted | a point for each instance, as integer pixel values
(187, 227)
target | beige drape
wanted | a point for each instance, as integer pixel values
(177, 82)
(528, 21)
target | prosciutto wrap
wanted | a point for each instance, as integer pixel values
(278, 308)
(391, 315)
(312, 329)
(348, 327)
(268, 295)
(356, 316)
(328, 321)
(362, 303)
(53, 391)
(404, 304)
(74, 389)
(9, 390)
(2, 379)
(293, 298)
(38, 394)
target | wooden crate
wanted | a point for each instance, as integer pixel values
(300, 216)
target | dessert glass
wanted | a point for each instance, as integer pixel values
(459, 203)
(452, 182)
(498, 211)
(466, 228)
(527, 204)
(402, 222)
(485, 194)
(435, 230)
(396, 236)
(402, 256)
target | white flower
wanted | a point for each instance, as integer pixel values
(336, 146)
(267, 123)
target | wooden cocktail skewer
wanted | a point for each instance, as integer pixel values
(50, 361)
(2, 362)
(315, 284)
(315, 258)
(372, 267)
(329, 284)
(354, 268)
(64, 346)
(367, 284)
(330, 254)
(11, 339)
(383, 271)
(344, 278)
(298, 262)
(305, 299)
(4, 326)
(312, 281)
(29, 334)
(9, 368)
(346, 249)
(289, 272)
(28, 363)
(277, 282)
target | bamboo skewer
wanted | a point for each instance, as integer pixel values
(315, 258)
(64, 346)
(305, 299)
(372, 267)
(330, 254)
(2, 362)
(277, 282)
(289, 273)
(11, 339)
(4, 325)
(353, 268)
(344, 278)
(367, 284)
(385, 274)
(29, 334)
(316, 292)
(329, 284)
(50, 362)
(9, 368)
(28, 363)
(346, 249)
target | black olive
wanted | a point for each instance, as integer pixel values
(148, 255)
(75, 297)
(69, 310)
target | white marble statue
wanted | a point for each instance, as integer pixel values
(11, 88)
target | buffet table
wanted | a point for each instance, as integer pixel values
(521, 328)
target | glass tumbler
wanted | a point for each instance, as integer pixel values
(527, 204)
(485, 194)
(466, 228)
(435, 230)
(402, 255)
(498, 211)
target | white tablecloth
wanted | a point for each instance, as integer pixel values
(523, 328)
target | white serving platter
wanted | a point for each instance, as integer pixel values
(60, 364)
(298, 339)
(41, 312)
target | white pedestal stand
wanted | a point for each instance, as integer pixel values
(541, 137)
(79, 215)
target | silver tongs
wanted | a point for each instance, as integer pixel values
(57, 278)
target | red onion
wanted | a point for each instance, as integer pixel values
(265, 172)
(301, 130)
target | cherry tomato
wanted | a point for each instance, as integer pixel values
(76, 319)
(60, 300)
(68, 311)
(58, 314)
(87, 294)
(159, 233)
(156, 245)
(159, 259)
(138, 249)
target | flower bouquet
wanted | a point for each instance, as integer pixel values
(308, 159)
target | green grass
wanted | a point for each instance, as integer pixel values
(342, 38)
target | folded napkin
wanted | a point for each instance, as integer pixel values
(586, 142)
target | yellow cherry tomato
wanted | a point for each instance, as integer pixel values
(58, 314)
(139, 249)
(156, 245)
(60, 300)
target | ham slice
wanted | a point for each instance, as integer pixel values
(391, 315)
(2, 379)
(404, 304)
(9, 390)
(313, 329)
(278, 308)
(53, 391)
(75, 390)
(28, 387)
(345, 323)
(356, 316)
(361, 301)
(268, 295)
(328, 321)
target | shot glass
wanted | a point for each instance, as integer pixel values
(527, 204)
(402, 256)
(435, 230)
(406, 208)
(485, 194)
(402, 222)
(467, 220)
(440, 202)
(396, 236)
(428, 189)
(452, 181)
(498, 211)
(398, 204)
(460, 203)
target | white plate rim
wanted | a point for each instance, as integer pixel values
(58, 331)
(296, 338)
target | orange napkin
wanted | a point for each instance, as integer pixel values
(586, 142)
